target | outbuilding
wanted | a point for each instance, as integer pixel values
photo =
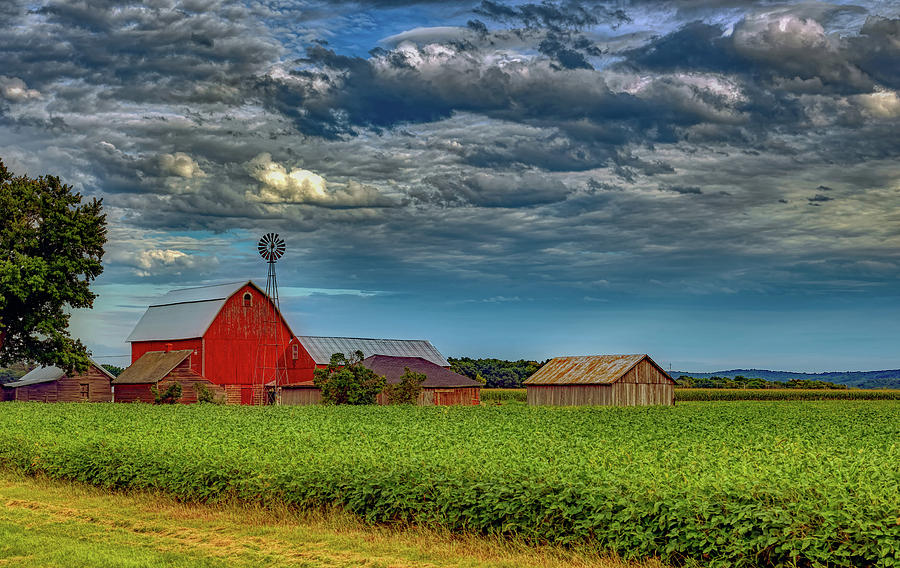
(52, 384)
(442, 387)
(609, 380)
(160, 369)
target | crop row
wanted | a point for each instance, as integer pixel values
(743, 484)
(697, 394)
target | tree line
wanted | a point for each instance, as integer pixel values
(742, 382)
(495, 373)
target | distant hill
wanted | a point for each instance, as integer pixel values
(889, 379)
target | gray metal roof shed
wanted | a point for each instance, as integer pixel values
(48, 375)
(322, 348)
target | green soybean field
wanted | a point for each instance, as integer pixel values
(722, 394)
(737, 484)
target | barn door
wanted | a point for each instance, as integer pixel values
(246, 395)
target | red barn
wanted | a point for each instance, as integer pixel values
(235, 336)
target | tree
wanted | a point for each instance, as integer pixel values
(407, 390)
(347, 381)
(51, 245)
(115, 370)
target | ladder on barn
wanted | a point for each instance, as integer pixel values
(271, 369)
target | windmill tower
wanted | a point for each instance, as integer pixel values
(270, 363)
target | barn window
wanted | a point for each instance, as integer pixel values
(85, 391)
(248, 300)
(295, 351)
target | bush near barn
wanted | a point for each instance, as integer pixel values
(743, 484)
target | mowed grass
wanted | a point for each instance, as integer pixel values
(735, 484)
(46, 523)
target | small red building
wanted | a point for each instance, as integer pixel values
(160, 369)
(52, 384)
(234, 335)
(441, 387)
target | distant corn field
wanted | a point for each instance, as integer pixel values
(687, 394)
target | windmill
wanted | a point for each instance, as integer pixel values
(270, 364)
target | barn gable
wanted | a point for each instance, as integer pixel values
(185, 314)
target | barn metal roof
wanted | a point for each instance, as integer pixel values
(48, 375)
(176, 321)
(186, 313)
(393, 368)
(585, 370)
(201, 293)
(152, 367)
(322, 348)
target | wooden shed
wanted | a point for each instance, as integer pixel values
(609, 380)
(161, 369)
(52, 384)
(442, 387)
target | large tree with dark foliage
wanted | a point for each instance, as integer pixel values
(51, 245)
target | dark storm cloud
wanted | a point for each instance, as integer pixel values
(530, 147)
(487, 190)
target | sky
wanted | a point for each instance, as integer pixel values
(714, 183)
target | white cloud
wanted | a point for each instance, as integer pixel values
(881, 104)
(297, 185)
(181, 165)
(15, 89)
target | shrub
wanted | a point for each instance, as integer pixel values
(206, 394)
(407, 390)
(170, 396)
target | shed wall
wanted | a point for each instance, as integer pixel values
(301, 396)
(570, 395)
(460, 396)
(134, 393)
(616, 394)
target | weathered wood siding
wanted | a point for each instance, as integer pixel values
(134, 393)
(67, 389)
(300, 396)
(644, 372)
(570, 395)
(459, 396)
